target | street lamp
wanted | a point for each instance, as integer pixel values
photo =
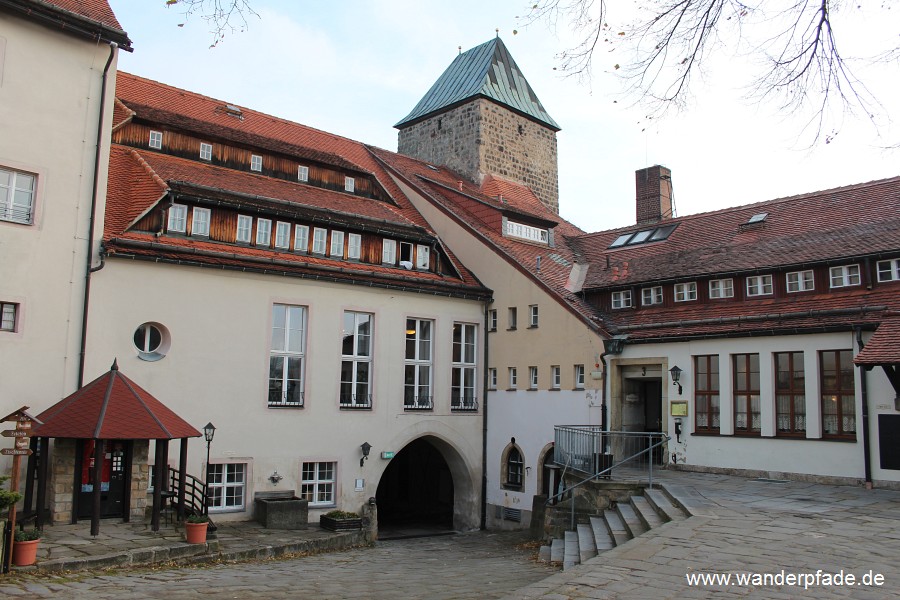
(209, 432)
(676, 377)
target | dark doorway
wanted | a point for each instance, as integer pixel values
(415, 493)
(643, 409)
(112, 479)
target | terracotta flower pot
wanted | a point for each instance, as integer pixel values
(25, 553)
(195, 532)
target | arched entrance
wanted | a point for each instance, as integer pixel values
(416, 491)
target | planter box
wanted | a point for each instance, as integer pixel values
(340, 524)
(274, 510)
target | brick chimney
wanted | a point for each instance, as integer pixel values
(653, 187)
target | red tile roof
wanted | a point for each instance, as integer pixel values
(85, 17)
(113, 407)
(95, 10)
(883, 348)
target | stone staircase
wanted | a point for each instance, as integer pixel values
(614, 527)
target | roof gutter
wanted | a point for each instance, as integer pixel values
(68, 21)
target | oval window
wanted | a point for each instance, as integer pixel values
(151, 340)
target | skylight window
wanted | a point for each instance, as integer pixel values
(620, 241)
(662, 233)
(642, 236)
(757, 218)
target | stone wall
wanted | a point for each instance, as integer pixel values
(140, 481)
(62, 469)
(481, 137)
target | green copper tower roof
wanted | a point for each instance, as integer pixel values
(488, 71)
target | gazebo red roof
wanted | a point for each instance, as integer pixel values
(112, 407)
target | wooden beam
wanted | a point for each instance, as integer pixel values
(159, 470)
(182, 477)
(95, 497)
(43, 480)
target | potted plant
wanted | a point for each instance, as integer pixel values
(339, 520)
(195, 529)
(25, 547)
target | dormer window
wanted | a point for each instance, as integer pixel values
(721, 288)
(337, 244)
(205, 151)
(621, 299)
(200, 221)
(527, 232)
(302, 173)
(844, 276)
(349, 184)
(422, 257)
(177, 218)
(301, 238)
(685, 292)
(354, 246)
(155, 140)
(256, 162)
(263, 232)
(889, 270)
(319, 236)
(282, 235)
(389, 252)
(800, 281)
(652, 295)
(759, 285)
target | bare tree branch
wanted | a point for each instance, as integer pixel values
(224, 16)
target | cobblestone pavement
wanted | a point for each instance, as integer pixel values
(472, 565)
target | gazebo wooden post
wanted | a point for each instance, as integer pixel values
(43, 473)
(30, 470)
(159, 470)
(95, 497)
(182, 476)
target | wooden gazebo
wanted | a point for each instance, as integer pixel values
(104, 419)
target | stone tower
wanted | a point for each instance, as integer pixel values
(481, 117)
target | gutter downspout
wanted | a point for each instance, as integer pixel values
(864, 389)
(88, 269)
(604, 421)
(484, 420)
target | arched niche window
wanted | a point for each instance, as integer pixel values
(513, 467)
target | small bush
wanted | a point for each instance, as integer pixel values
(27, 535)
(341, 514)
(198, 519)
(7, 498)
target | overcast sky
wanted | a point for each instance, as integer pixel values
(356, 67)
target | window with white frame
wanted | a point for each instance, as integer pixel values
(533, 315)
(349, 184)
(301, 238)
(302, 173)
(844, 276)
(889, 270)
(721, 288)
(255, 162)
(492, 378)
(177, 218)
(800, 281)
(652, 295)
(263, 232)
(532, 378)
(319, 237)
(527, 232)
(8, 313)
(513, 378)
(155, 140)
(17, 196)
(621, 299)
(200, 221)
(317, 483)
(579, 377)
(423, 256)
(226, 486)
(337, 244)
(282, 235)
(492, 320)
(406, 257)
(356, 360)
(512, 317)
(287, 356)
(555, 379)
(389, 252)
(152, 341)
(244, 228)
(417, 381)
(354, 246)
(462, 376)
(205, 151)
(759, 285)
(685, 292)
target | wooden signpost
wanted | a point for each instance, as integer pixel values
(22, 438)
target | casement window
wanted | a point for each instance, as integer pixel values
(337, 244)
(317, 483)
(255, 162)
(838, 386)
(155, 140)
(423, 257)
(706, 394)
(800, 281)
(513, 317)
(533, 316)
(319, 238)
(302, 173)
(492, 320)
(356, 360)
(354, 246)
(463, 367)
(244, 229)
(492, 378)
(745, 385)
(177, 222)
(17, 196)
(417, 394)
(532, 378)
(685, 292)
(844, 276)
(790, 394)
(759, 285)
(889, 270)
(652, 295)
(349, 184)
(721, 288)
(621, 299)
(513, 378)
(579, 377)
(389, 252)
(200, 221)
(263, 232)
(555, 379)
(8, 316)
(226, 486)
(301, 238)
(205, 151)
(287, 358)
(514, 468)
(282, 235)
(406, 257)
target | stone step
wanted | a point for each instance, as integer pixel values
(570, 552)
(544, 554)
(663, 505)
(633, 524)
(646, 512)
(557, 550)
(587, 547)
(602, 539)
(616, 527)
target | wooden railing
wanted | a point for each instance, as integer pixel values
(195, 495)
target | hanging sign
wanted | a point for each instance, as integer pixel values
(15, 452)
(16, 433)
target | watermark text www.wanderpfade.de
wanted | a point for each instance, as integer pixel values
(818, 579)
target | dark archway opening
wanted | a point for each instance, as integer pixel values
(415, 493)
